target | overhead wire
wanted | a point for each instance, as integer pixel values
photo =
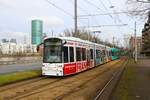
(110, 2)
(54, 5)
(101, 2)
(77, 6)
(92, 4)
(59, 8)
(122, 12)
(87, 1)
(84, 11)
(117, 16)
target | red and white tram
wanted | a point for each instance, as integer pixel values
(68, 55)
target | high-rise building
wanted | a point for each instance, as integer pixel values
(146, 37)
(5, 40)
(37, 30)
(13, 40)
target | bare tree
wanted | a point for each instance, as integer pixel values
(139, 9)
(83, 34)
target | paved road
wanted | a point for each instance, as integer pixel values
(19, 67)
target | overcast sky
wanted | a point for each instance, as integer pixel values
(16, 15)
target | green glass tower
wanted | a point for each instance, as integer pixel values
(37, 30)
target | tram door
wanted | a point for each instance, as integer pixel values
(103, 56)
(88, 58)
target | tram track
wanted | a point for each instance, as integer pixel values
(76, 89)
(101, 95)
(52, 84)
(63, 85)
(21, 83)
(18, 94)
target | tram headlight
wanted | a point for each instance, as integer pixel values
(43, 68)
(59, 67)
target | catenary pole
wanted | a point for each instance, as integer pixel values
(75, 16)
(135, 43)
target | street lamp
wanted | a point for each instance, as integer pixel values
(94, 34)
(112, 7)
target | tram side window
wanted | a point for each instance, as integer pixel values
(83, 54)
(71, 54)
(103, 53)
(65, 54)
(113, 53)
(108, 53)
(78, 54)
(91, 52)
(98, 54)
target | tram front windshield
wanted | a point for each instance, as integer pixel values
(52, 51)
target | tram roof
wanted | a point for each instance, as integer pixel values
(73, 39)
(79, 40)
(114, 49)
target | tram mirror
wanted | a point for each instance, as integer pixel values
(64, 42)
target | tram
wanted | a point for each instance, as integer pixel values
(115, 53)
(69, 55)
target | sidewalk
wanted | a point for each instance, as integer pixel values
(135, 82)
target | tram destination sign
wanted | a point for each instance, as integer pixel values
(48, 43)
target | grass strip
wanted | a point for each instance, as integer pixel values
(18, 76)
(127, 82)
